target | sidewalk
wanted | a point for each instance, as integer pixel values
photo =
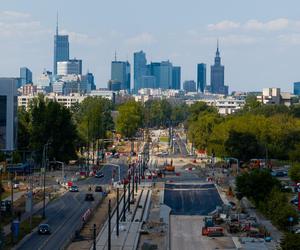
(36, 208)
(17, 195)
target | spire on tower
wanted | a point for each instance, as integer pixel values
(57, 23)
(115, 55)
(218, 53)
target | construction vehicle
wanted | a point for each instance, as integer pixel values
(212, 231)
(169, 167)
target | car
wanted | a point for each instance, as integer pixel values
(295, 201)
(74, 189)
(89, 197)
(99, 175)
(98, 189)
(16, 184)
(44, 229)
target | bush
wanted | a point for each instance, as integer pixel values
(290, 242)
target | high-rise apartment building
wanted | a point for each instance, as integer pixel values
(201, 77)
(176, 77)
(8, 114)
(70, 67)
(61, 49)
(120, 72)
(140, 69)
(217, 76)
(25, 76)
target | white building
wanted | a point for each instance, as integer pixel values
(8, 114)
(274, 96)
(225, 106)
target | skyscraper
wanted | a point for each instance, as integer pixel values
(140, 69)
(201, 77)
(61, 49)
(25, 76)
(176, 77)
(8, 114)
(217, 76)
(70, 67)
(120, 72)
(91, 80)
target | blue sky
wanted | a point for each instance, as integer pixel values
(259, 39)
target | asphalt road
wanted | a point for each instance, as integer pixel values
(64, 214)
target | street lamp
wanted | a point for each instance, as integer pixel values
(44, 162)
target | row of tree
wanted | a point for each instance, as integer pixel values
(255, 132)
(153, 114)
(65, 130)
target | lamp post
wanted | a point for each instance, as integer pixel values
(45, 161)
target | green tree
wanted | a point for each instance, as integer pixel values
(130, 118)
(242, 145)
(52, 122)
(294, 172)
(23, 129)
(251, 103)
(290, 241)
(256, 185)
(277, 208)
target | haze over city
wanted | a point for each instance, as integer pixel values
(259, 40)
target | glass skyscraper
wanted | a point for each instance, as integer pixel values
(176, 77)
(61, 49)
(140, 69)
(296, 88)
(120, 72)
(201, 77)
(25, 76)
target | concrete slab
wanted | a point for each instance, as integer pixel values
(185, 233)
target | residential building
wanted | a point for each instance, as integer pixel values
(120, 72)
(296, 88)
(176, 77)
(61, 49)
(217, 76)
(29, 89)
(189, 86)
(25, 76)
(70, 67)
(140, 69)
(8, 114)
(201, 77)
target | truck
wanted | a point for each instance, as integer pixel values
(212, 231)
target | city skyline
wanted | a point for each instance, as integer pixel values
(266, 43)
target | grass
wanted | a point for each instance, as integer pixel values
(24, 230)
(164, 139)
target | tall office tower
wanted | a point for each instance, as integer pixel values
(140, 68)
(154, 70)
(8, 114)
(25, 76)
(176, 77)
(217, 76)
(165, 75)
(120, 72)
(128, 76)
(201, 77)
(91, 80)
(189, 86)
(61, 49)
(70, 67)
(296, 88)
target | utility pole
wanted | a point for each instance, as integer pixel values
(118, 212)
(94, 237)
(124, 202)
(109, 225)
